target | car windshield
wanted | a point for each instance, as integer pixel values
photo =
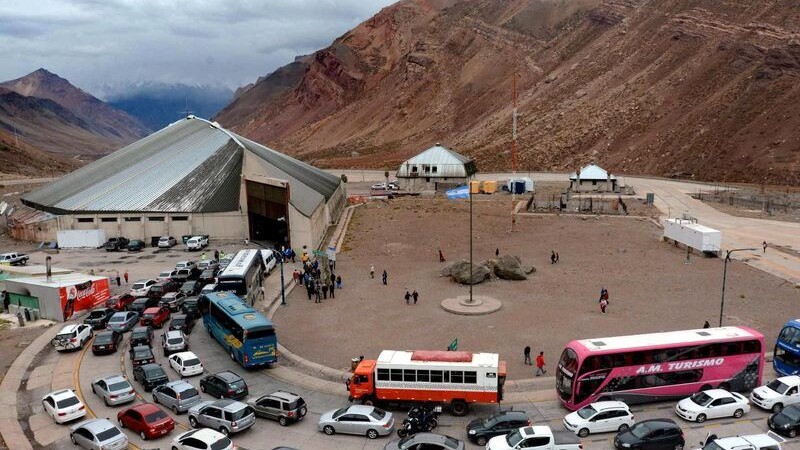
(118, 386)
(138, 286)
(378, 414)
(140, 353)
(65, 336)
(165, 274)
(236, 384)
(157, 288)
(640, 430)
(221, 444)
(712, 446)
(778, 386)
(67, 402)
(450, 442)
(513, 438)
(339, 412)
(97, 314)
(116, 318)
(242, 413)
(149, 315)
(177, 322)
(792, 413)
(192, 362)
(107, 434)
(156, 372)
(174, 341)
(586, 412)
(297, 403)
(188, 393)
(154, 416)
(701, 398)
(103, 338)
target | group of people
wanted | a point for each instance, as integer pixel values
(116, 276)
(384, 276)
(318, 283)
(539, 361)
(411, 295)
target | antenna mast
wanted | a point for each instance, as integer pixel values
(514, 151)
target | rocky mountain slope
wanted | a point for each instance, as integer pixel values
(20, 159)
(701, 89)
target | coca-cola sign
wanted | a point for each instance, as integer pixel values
(82, 296)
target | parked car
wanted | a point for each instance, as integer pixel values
(72, 337)
(599, 417)
(166, 274)
(746, 442)
(174, 341)
(357, 419)
(142, 335)
(535, 437)
(208, 264)
(179, 396)
(120, 302)
(98, 317)
(712, 403)
(190, 308)
(285, 407)
(116, 244)
(197, 242)
(227, 416)
(162, 287)
(183, 275)
(146, 419)
(778, 393)
(123, 321)
(14, 259)
(136, 245)
(186, 364)
(208, 288)
(654, 434)
(172, 300)
(182, 322)
(202, 439)
(206, 277)
(63, 406)
(167, 242)
(150, 376)
(140, 304)
(427, 441)
(191, 288)
(140, 288)
(98, 434)
(141, 355)
(479, 431)
(155, 316)
(786, 422)
(114, 390)
(225, 384)
(106, 342)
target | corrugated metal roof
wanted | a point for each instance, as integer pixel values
(447, 162)
(190, 166)
(592, 172)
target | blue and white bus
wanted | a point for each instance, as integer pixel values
(243, 332)
(243, 276)
(786, 359)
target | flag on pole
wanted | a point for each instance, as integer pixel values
(459, 192)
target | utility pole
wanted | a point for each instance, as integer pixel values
(514, 150)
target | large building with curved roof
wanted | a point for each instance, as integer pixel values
(195, 177)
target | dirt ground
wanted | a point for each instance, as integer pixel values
(651, 288)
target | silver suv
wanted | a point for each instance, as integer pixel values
(226, 416)
(285, 407)
(174, 341)
(179, 396)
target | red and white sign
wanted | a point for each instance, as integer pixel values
(82, 296)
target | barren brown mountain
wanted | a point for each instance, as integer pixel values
(20, 159)
(703, 89)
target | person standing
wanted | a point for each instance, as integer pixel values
(385, 277)
(441, 256)
(497, 252)
(527, 354)
(603, 305)
(415, 295)
(203, 256)
(6, 300)
(324, 290)
(372, 271)
(552, 256)
(557, 258)
(309, 289)
(338, 281)
(116, 275)
(706, 325)
(216, 255)
(331, 289)
(540, 364)
(125, 275)
(764, 246)
(317, 293)
(408, 298)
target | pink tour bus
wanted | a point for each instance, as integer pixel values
(659, 366)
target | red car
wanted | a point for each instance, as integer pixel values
(146, 419)
(155, 316)
(120, 302)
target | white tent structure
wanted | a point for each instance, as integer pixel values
(436, 168)
(592, 178)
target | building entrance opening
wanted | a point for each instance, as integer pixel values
(267, 213)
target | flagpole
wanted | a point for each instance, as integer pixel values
(469, 188)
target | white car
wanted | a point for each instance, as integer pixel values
(185, 265)
(203, 438)
(599, 417)
(711, 404)
(166, 275)
(186, 364)
(166, 242)
(778, 393)
(72, 337)
(748, 442)
(196, 242)
(142, 287)
(63, 406)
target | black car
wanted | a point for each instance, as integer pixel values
(106, 342)
(98, 318)
(142, 336)
(654, 434)
(786, 422)
(162, 287)
(116, 244)
(190, 307)
(135, 245)
(150, 375)
(207, 277)
(141, 355)
(182, 322)
(224, 385)
(479, 431)
(191, 288)
(140, 304)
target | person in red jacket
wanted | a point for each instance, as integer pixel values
(540, 364)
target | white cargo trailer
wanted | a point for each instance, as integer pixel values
(81, 238)
(693, 235)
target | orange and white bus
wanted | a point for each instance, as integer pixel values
(430, 376)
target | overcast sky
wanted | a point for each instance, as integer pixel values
(232, 42)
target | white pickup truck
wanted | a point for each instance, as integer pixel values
(535, 438)
(750, 442)
(776, 394)
(14, 259)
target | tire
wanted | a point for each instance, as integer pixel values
(481, 441)
(327, 429)
(700, 418)
(142, 435)
(155, 399)
(459, 408)
(623, 428)
(121, 424)
(372, 434)
(105, 401)
(369, 401)
(203, 388)
(283, 421)
(192, 421)
(72, 438)
(777, 407)
(726, 386)
(230, 352)
(401, 433)
(704, 387)
(792, 433)
(738, 413)
(583, 432)
(224, 431)
(93, 391)
(175, 410)
(678, 447)
(433, 423)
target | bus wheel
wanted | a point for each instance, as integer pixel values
(458, 408)
(230, 352)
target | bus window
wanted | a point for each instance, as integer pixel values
(396, 374)
(436, 376)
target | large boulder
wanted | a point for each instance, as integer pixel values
(509, 267)
(461, 274)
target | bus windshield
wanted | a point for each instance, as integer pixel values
(786, 359)
(567, 366)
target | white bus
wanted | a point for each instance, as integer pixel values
(243, 276)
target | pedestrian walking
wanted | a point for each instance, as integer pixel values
(603, 305)
(497, 253)
(408, 298)
(527, 354)
(216, 255)
(764, 246)
(415, 295)
(309, 289)
(294, 255)
(372, 271)
(385, 276)
(317, 293)
(557, 258)
(338, 281)
(441, 256)
(125, 275)
(540, 364)
(603, 293)
(331, 288)
(552, 257)
(6, 300)
(706, 325)
(325, 291)
(116, 275)
(203, 256)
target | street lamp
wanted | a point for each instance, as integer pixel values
(725, 276)
(283, 290)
